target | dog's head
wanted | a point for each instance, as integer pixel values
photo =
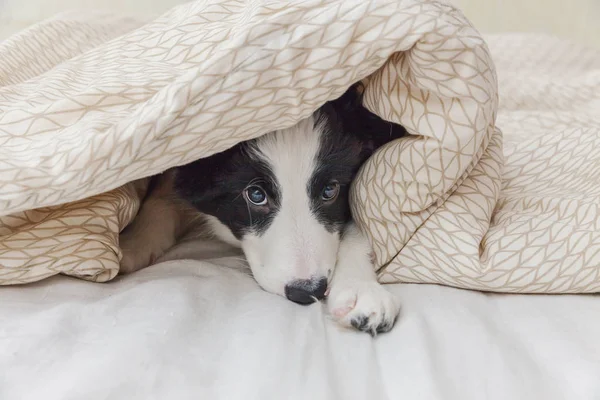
(284, 196)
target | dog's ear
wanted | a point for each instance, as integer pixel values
(371, 130)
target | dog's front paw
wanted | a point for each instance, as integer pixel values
(366, 306)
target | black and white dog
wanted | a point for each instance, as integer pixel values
(282, 199)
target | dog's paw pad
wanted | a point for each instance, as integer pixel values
(366, 306)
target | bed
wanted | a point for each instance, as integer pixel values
(191, 330)
(194, 328)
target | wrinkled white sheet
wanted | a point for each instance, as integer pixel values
(190, 330)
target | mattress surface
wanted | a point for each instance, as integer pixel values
(192, 330)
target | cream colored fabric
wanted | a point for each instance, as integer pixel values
(544, 235)
(210, 74)
(79, 239)
(86, 108)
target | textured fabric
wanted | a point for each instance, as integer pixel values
(210, 74)
(94, 108)
(544, 235)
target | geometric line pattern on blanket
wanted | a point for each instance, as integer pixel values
(216, 73)
(101, 101)
(135, 101)
(79, 238)
(544, 234)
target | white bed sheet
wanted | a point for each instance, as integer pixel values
(191, 330)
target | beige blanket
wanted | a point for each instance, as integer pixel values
(90, 103)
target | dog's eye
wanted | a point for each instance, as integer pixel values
(256, 195)
(330, 191)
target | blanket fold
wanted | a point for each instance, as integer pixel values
(90, 105)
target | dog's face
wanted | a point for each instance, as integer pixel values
(284, 196)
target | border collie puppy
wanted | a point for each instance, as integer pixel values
(283, 199)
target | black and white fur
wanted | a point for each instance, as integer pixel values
(284, 200)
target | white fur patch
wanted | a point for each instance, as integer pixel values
(356, 299)
(295, 245)
(221, 231)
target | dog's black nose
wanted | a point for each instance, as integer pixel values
(306, 291)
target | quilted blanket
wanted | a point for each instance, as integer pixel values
(91, 105)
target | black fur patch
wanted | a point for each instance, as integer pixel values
(338, 160)
(215, 186)
(351, 136)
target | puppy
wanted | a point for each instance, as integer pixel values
(283, 199)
